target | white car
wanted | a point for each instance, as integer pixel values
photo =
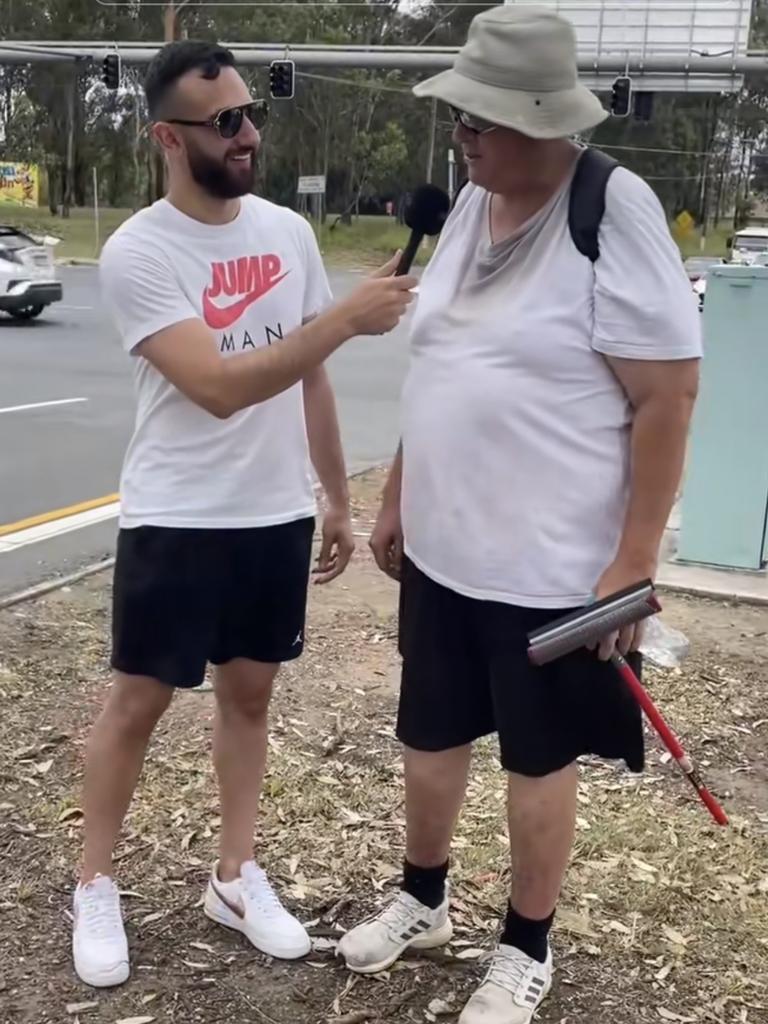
(28, 281)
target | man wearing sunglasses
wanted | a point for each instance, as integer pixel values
(544, 418)
(221, 299)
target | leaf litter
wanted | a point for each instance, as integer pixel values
(659, 904)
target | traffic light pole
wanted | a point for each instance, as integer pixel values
(424, 58)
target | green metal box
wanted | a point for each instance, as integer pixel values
(725, 491)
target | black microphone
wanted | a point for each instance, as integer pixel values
(425, 215)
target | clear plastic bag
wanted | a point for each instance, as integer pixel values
(663, 645)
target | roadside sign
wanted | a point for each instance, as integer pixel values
(684, 222)
(312, 185)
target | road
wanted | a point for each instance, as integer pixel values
(62, 456)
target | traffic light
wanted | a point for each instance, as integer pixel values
(281, 74)
(110, 74)
(643, 106)
(621, 96)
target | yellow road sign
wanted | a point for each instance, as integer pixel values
(684, 222)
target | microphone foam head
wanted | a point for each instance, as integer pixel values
(427, 210)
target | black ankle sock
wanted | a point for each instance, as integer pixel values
(427, 885)
(523, 933)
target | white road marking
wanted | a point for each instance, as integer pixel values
(42, 405)
(34, 534)
(73, 307)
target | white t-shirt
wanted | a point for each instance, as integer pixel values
(515, 430)
(252, 281)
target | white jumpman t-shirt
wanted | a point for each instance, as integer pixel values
(252, 281)
(516, 433)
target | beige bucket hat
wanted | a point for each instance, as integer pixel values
(518, 69)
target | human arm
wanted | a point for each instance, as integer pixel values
(158, 322)
(386, 541)
(325, 450)
(647, 328)
(662, 396)
(186, 353)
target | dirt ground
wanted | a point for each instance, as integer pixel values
(664, 916)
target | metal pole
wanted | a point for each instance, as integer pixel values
(426, 58)
(431, 145)
(703, 202)
(96, 209)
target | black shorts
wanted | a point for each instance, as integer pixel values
(186, 597)
(466, 674)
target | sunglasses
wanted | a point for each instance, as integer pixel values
(229, 121)
(478, 125)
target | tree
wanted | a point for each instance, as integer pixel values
(363, 130)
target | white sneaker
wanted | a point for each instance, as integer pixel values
(251, 906)
(99, 944)
(375, 944)
(512, 990)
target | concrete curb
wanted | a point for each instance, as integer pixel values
(688, 590)
(47, 586)
(57, 582)
(713, 594)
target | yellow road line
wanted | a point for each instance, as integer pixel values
(58, 513)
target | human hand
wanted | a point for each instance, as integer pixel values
(377, 305)
(336, 546)
(618, 576)
(386, 541)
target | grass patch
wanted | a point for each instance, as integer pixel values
(716, 243)
(77, 232)
(368, 241)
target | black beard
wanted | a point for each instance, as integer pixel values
(219, 179)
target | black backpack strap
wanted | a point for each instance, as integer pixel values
(587, 200)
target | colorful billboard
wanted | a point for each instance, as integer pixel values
(19, 184)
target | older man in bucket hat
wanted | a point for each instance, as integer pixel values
(545, 415)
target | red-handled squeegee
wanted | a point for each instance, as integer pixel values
(589, 626)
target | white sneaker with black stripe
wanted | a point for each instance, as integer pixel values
(375, 944)
(512, 990)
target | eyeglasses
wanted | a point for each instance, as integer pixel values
(478, 125)
(229, 121)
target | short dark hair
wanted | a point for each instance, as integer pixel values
(177, 59)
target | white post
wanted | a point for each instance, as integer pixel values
(451, 174)
(96, 209)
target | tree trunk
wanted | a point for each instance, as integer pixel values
(739, 180)
(82, 183)
(69, 167)
(151, 186)
(136, 161)
(326, 167)
(53, 188)
(170, 33)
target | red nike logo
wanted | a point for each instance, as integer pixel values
(250, 277)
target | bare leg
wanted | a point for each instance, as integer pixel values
(114, 759)
(542, 817)
(434, 791)
(243, 689)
